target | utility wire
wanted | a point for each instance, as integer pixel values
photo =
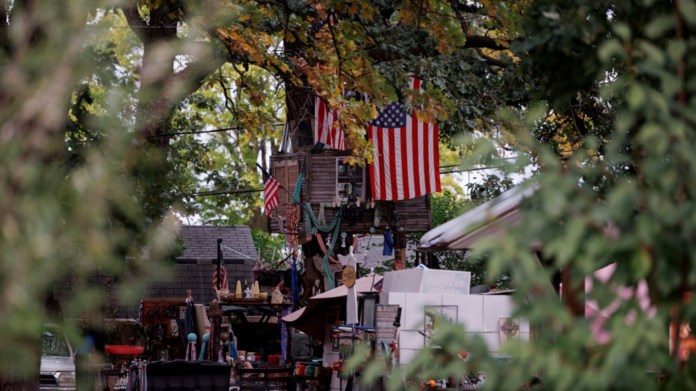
(203, 131)
(221, 192)
(241, 191)
(237, 252)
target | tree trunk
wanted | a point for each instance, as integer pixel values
(399, 250)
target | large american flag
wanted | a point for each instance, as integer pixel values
(406, 161)
(326, 129)
(270, 193)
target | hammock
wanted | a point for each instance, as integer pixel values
(317, 223)
(334, 226)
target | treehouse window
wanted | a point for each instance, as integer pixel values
(349, 180)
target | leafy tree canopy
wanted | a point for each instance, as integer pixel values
(98, 101)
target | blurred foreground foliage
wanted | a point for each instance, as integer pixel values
(62, 217)
(617, 191)
(86, 184)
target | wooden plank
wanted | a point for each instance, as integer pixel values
(320, 185)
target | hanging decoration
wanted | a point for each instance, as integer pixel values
(333, 230)
(291, 222)
(294, 280)
(388, 242)
(316, 222)
(293, 215)
(325, 265)
(284, 335)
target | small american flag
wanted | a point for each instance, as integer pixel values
(326, 129)
(406, 160)
(270, 193)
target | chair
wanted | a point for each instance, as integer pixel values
(269, 379)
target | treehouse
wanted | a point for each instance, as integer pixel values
(331, 188)
(324, 198)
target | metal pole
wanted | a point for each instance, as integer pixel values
(219, 263)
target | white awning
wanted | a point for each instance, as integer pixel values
(485, 220)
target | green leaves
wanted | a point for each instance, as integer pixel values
(614, 188)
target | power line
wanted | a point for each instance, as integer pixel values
(470, 170)
(230, 129)
(223, 192)
(243, 191)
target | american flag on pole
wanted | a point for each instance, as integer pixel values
(220, 278)
(326, 129)
(406, 160)
(270, 193)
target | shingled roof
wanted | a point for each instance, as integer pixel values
(200, 242)
(193, 269)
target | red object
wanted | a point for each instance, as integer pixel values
(270, 194)
(406, 158)
(124, 350)
(326, 127)
(274, 359)
(337, 365)
(224, 284)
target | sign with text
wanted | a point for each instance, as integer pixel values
(385, 316)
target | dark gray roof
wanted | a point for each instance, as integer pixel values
(193, 269)
(200, 242)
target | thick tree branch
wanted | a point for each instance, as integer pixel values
(481, 42)
(229, 103)
(464, 7)
(135, 21)
(177, 86)
(335, 44)
(492, 61)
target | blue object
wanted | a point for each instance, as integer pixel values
(192, 337)
(295, 281)
(204, 346)
(388, 243)
(233, 350)
(188, 319)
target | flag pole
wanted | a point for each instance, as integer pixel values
(219, 263)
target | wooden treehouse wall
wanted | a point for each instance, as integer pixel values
(320, 187)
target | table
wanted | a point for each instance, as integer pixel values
(242, 309)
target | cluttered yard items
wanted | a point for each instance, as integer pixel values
(397, 315)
